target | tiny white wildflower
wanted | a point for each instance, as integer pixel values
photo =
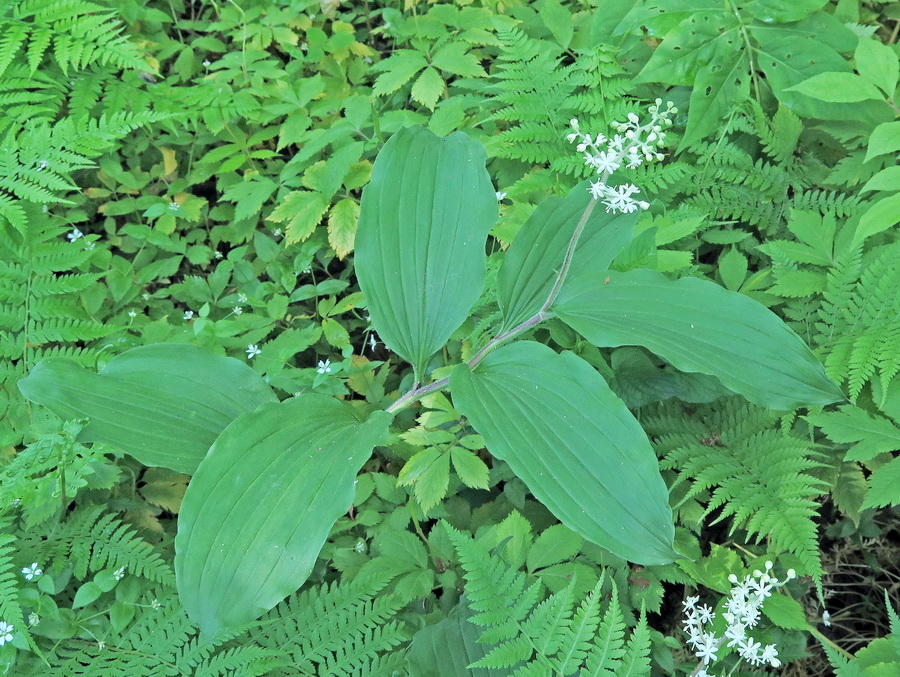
(6, 631)
(242, 298)
(238, 310)
(173, 206)
(119, 573)
(705, 614)
(708, 648)
(324, 367)
(252, 351)
(42, 165)
(826, 619)
(501, 196)
(32, 572)
(207, 63)
(188, 315)
(770, 655)
(218, 255)
(74, 235)
(277, 232)
(101, 645)
(33, 619)
(372, 343)
(156, 604)
(132, 313)
(691, 602)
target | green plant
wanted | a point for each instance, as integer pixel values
(420, 264)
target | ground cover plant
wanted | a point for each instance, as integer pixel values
(474, 338)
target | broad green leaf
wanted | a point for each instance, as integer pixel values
(448, 647)
(533, 260)
(783, 11)
(554, 420)
(879, 217)
(262, 503)
(698, 326)
(837, 88)
(690, 46)
(885, 139)
(878, 64)
(718, 88)
(887, 179)
(420, 257)
(558, 20)
(164, 404)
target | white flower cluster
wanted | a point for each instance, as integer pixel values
(742, 611)
(633, 144)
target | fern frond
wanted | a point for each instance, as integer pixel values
(756, 474)
(10, 611)
(542, 637)
(336, 629)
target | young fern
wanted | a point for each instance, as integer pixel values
(549, 637)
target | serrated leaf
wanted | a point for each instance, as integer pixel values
(870, 434)
(164, 487)
(471, 470)
(554, 419)
(262, 503)
(428, 472)
(454, 58)
(164, 404)
(428, 88)
(342, 222)
(887, 179)
(799, 284)
(335, 333)
(420, 257)
(249, 196)
(785, 612)
(884, 486)
(399, 69)
(303, 210)
(555, 544)
(698, 326)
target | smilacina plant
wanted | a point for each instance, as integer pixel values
(270, 478)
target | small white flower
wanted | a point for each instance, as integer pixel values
(6, 631)
(207, 63)
(74, 235)
(42, 165)
(705, 614)
(242, 298)
(33, 618)
(173, 206)
(132, 313)
(277, 232)
(691, 602)
(826, 619)
(324, 367)
(218, 255)
(238, 310)
(119, 573)
(770, 655)
(101, 645)
(31, 572)
(708, 648)
(372, 342)
(155, 604)
(501, 196)
(252, 351)
(188, 315)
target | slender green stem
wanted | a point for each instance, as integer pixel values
(567, 261)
